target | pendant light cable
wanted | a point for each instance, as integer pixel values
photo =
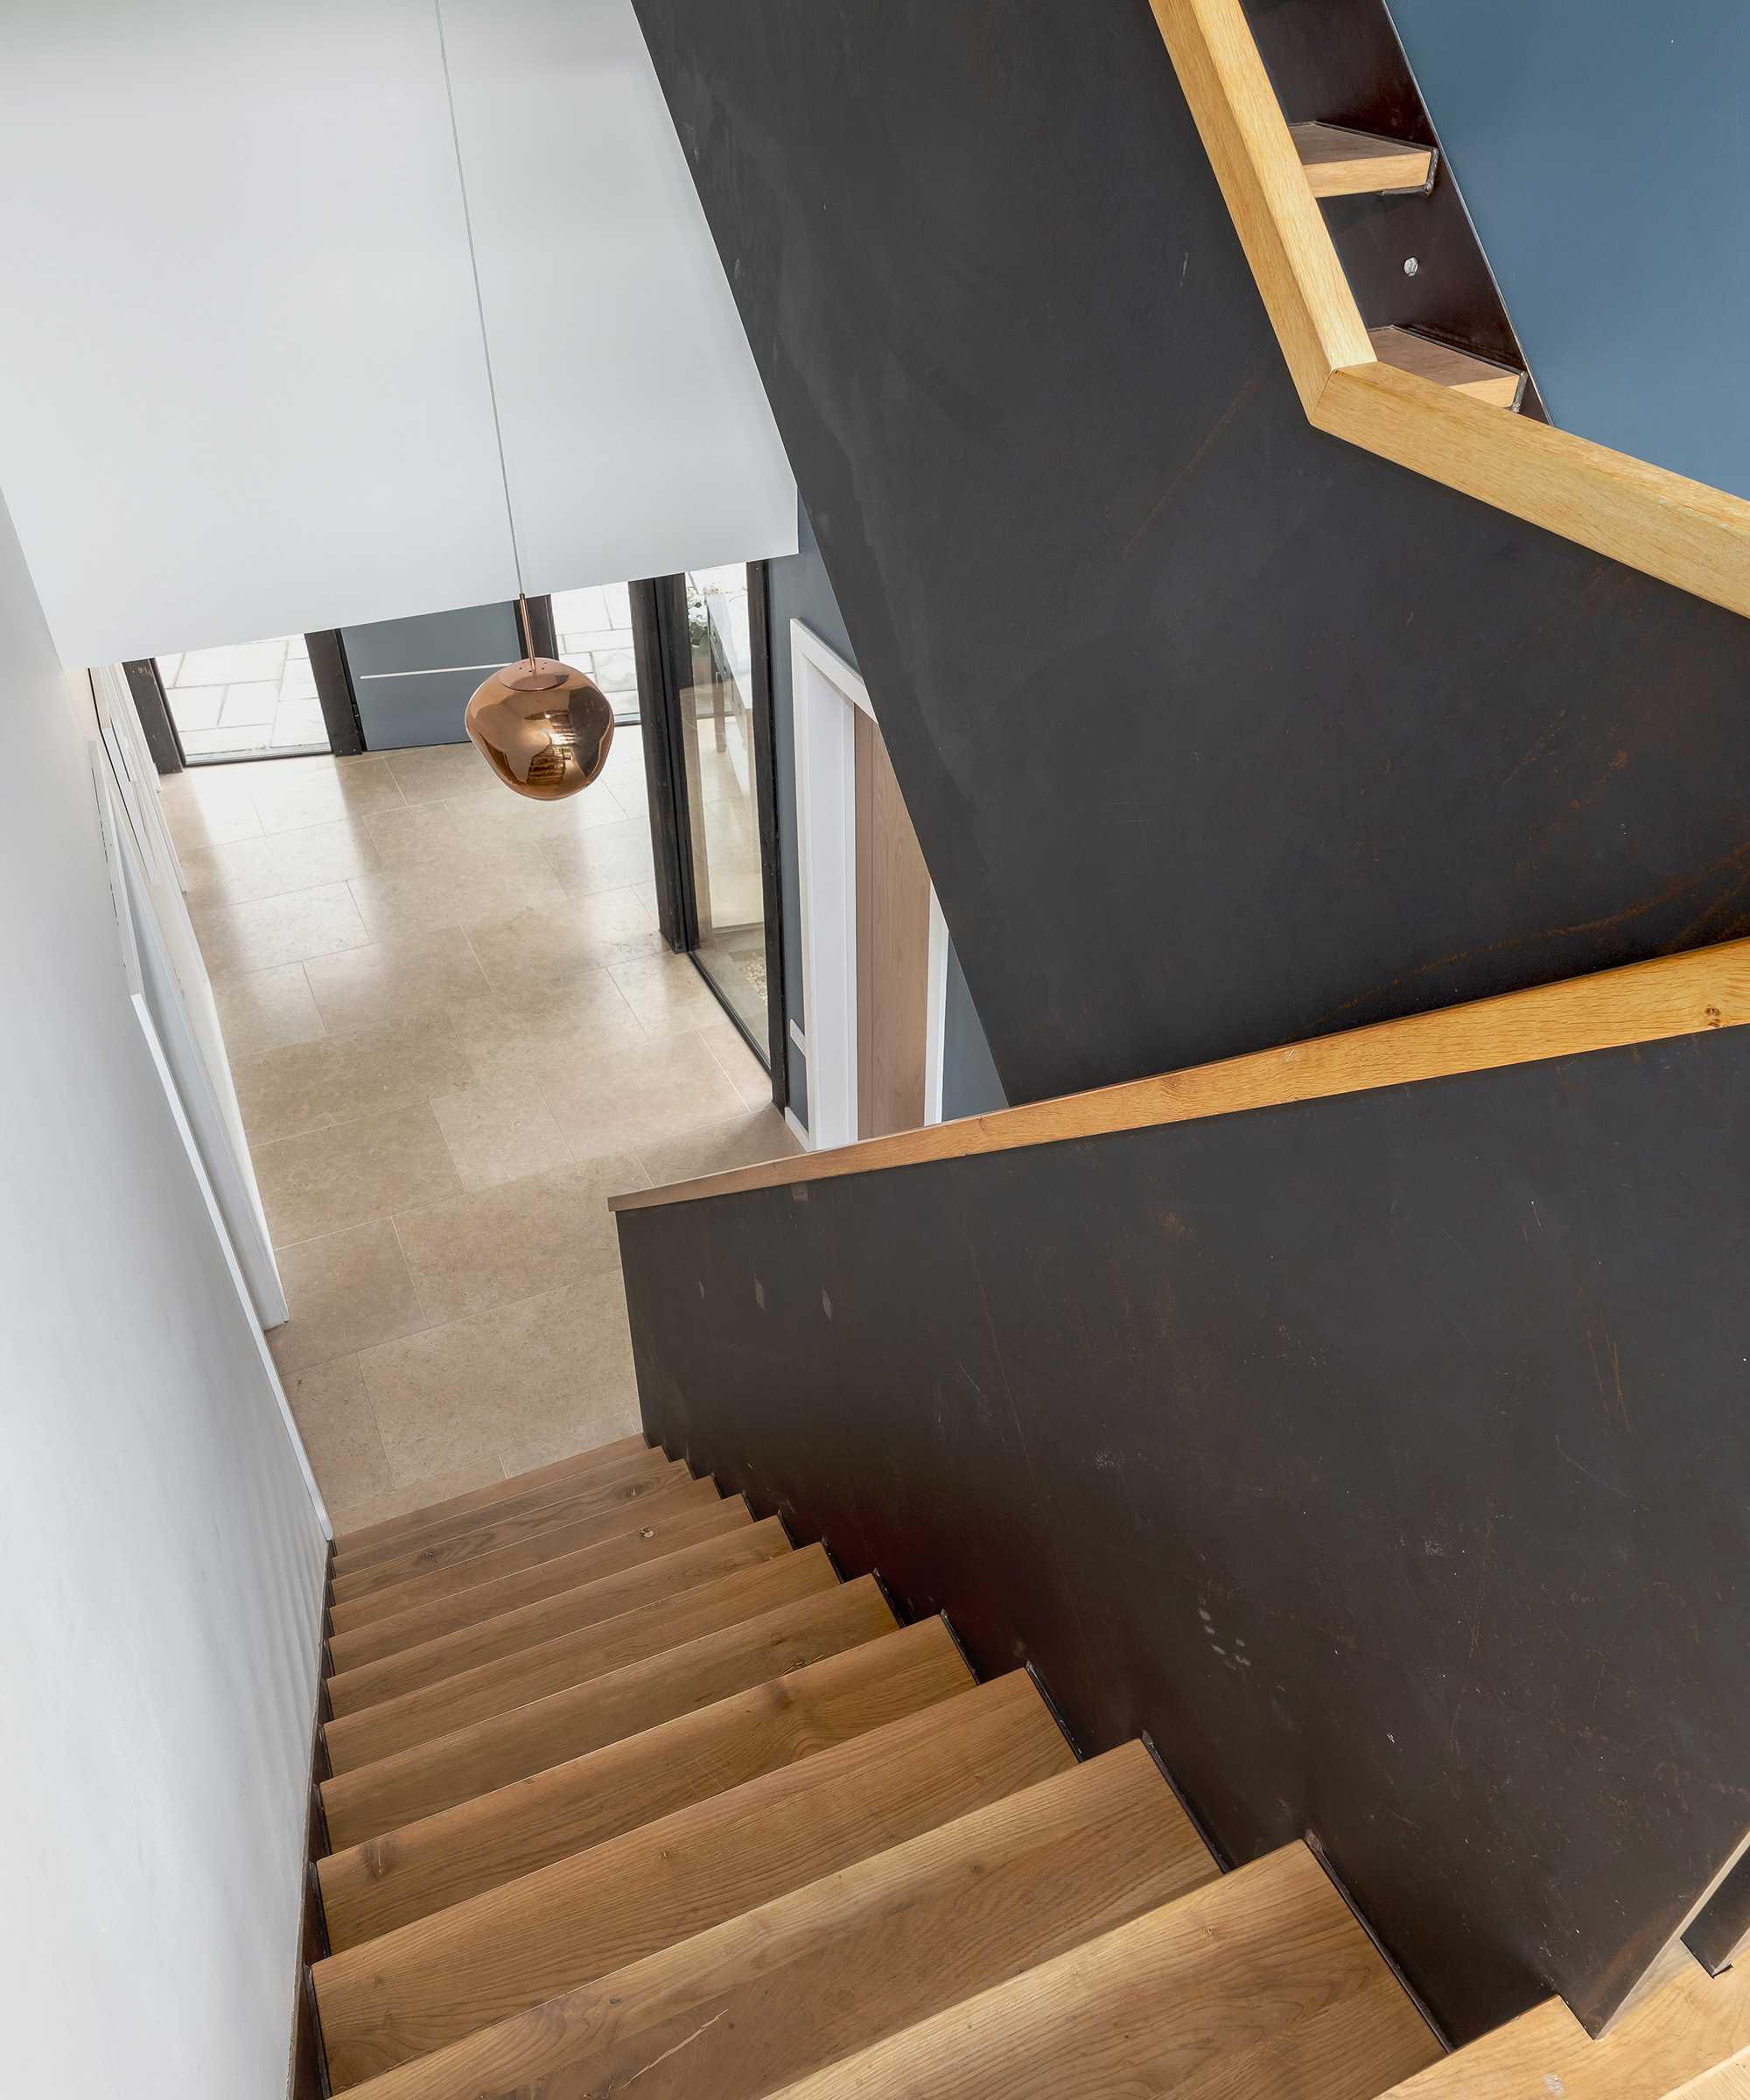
(480, 309)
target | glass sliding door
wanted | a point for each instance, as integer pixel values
(705, 694)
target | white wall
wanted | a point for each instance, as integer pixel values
(242, 378)
(159, 1559)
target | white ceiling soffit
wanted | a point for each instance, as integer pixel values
(242, 386)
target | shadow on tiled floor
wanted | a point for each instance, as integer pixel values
(455, 1031)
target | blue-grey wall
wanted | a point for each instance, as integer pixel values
(1603, 147)
(799, 590)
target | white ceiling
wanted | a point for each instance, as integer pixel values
(242, 386)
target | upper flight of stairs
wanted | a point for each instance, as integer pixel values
(623, 1790)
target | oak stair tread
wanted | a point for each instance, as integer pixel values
(546, 1618)
(531, 1674)
(431, 1621)
(1260, 1983)
(1461, 370)
(443, 1860)
(1341, 163)
(1681, 2040)
(565, 1487)
(578, 1464)
(618, 1491)
(436, 1982)
(490, 1753)
(689, 1501)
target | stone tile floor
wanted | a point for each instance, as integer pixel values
(455, 1032)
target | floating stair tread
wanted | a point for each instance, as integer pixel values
(829, 1967)
(518, 1495)
(448, 1977)
(618, 1492)
(1260, 1983)
(1339, 163)
(514, 1680)
(426, 1866)
(526, 1626)
(1498, 385)
(580, 1464)
(678, 1502)
(493, 1753)
(655, 1540)
(1687, 2030)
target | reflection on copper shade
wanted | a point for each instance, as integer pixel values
(544, 727)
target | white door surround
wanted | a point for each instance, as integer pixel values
(825, 690)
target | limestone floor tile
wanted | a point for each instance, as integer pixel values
(543, 949)
(580, 1436)
(537, 1036)
(333, 1411)
(345, 1293)
(279, 862)
(747, 1075)
(238, 937)
(516, 821)
(207, 806)
(624, 1102)
(713, 1148)
(609, 857)
(667, 993)
(498, 1131)
(326, 1180)
(437, 773)
(454, 890)
(266, 1009)
(419, 973)
(416, 1494)
(539, 1368)
(409, 834)
(477, 1251)
(306, 1086)
(292, 794)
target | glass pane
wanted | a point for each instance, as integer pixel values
(594, 631)
(245, 702)
(718, 730)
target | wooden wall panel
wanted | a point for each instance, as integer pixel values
(1384, 1456)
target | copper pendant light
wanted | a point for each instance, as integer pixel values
(543, 727)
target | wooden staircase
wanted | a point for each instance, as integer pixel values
(623, 1790)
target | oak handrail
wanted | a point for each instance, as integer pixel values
(1638, 1002)
(1681, 531)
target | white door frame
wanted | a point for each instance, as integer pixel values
(825, 689)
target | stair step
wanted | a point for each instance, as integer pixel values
(655, 1540)
(1499, 385)
(576, 1466)
(546, 1619)
(826, 1969)
(438, 1981)
(355, 1740)
(678, 1502)
(426, 1866)
(1260, 1983)
(1678, 2041)
(522, 1493)
(492, 1754)
(1339, 163)
(509, 1528)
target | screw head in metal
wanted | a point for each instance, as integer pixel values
(1412, 267)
